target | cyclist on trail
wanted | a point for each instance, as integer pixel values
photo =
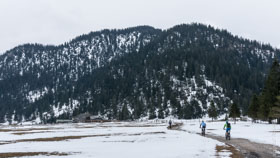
(227, 127)
(203, 125)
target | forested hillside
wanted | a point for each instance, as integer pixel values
(133, 73)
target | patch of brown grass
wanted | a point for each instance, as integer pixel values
(54, 139)
(64, 138)
(4, 143)
(146, 133)
(129, 126)
(274, 131)
(24, 133)
(176, 126)
(26, 130)
(134, 126)
(228, 148)
(86, 127)
(23, 154)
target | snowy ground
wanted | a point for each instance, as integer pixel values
(107, 140)
(256, 132)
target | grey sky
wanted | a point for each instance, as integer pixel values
(58, 21)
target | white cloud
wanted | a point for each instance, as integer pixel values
(55, 22)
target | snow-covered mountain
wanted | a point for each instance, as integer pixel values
(132, 73)
(78, 57)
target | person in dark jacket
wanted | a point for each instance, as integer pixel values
(170, 124)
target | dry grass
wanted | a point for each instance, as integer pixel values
(86, 127)
(228, 148)
(54, 139)
(134, 126)
(137, 134)
(24, 154)
(120, 126)
(24, 133)
(65, 138)
(147, 133)
(27, 129)
(176, 126)
(274, 131)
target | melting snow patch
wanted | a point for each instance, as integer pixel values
(36, 94)
(65, 109)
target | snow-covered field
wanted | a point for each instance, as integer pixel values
(106, 140)
(256, 132)
(147, 139)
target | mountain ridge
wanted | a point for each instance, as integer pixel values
(107, 72)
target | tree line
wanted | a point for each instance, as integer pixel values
(266, 105)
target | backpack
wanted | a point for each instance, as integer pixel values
(203, 125)
(228, 125)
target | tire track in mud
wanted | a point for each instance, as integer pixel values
(248, 148)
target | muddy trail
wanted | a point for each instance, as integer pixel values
(247, 148)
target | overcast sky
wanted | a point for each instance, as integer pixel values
(58, 21)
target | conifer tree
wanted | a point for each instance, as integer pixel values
(160, 113)
(275, 110)
(124, 114)
(212, 111)
(226, 117)
(270, 92)
(234, 112)
(152, 113)
(254, 108)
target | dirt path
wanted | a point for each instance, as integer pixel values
(247, 148)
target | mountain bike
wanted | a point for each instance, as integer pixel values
(203, 131)
(227, 135)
